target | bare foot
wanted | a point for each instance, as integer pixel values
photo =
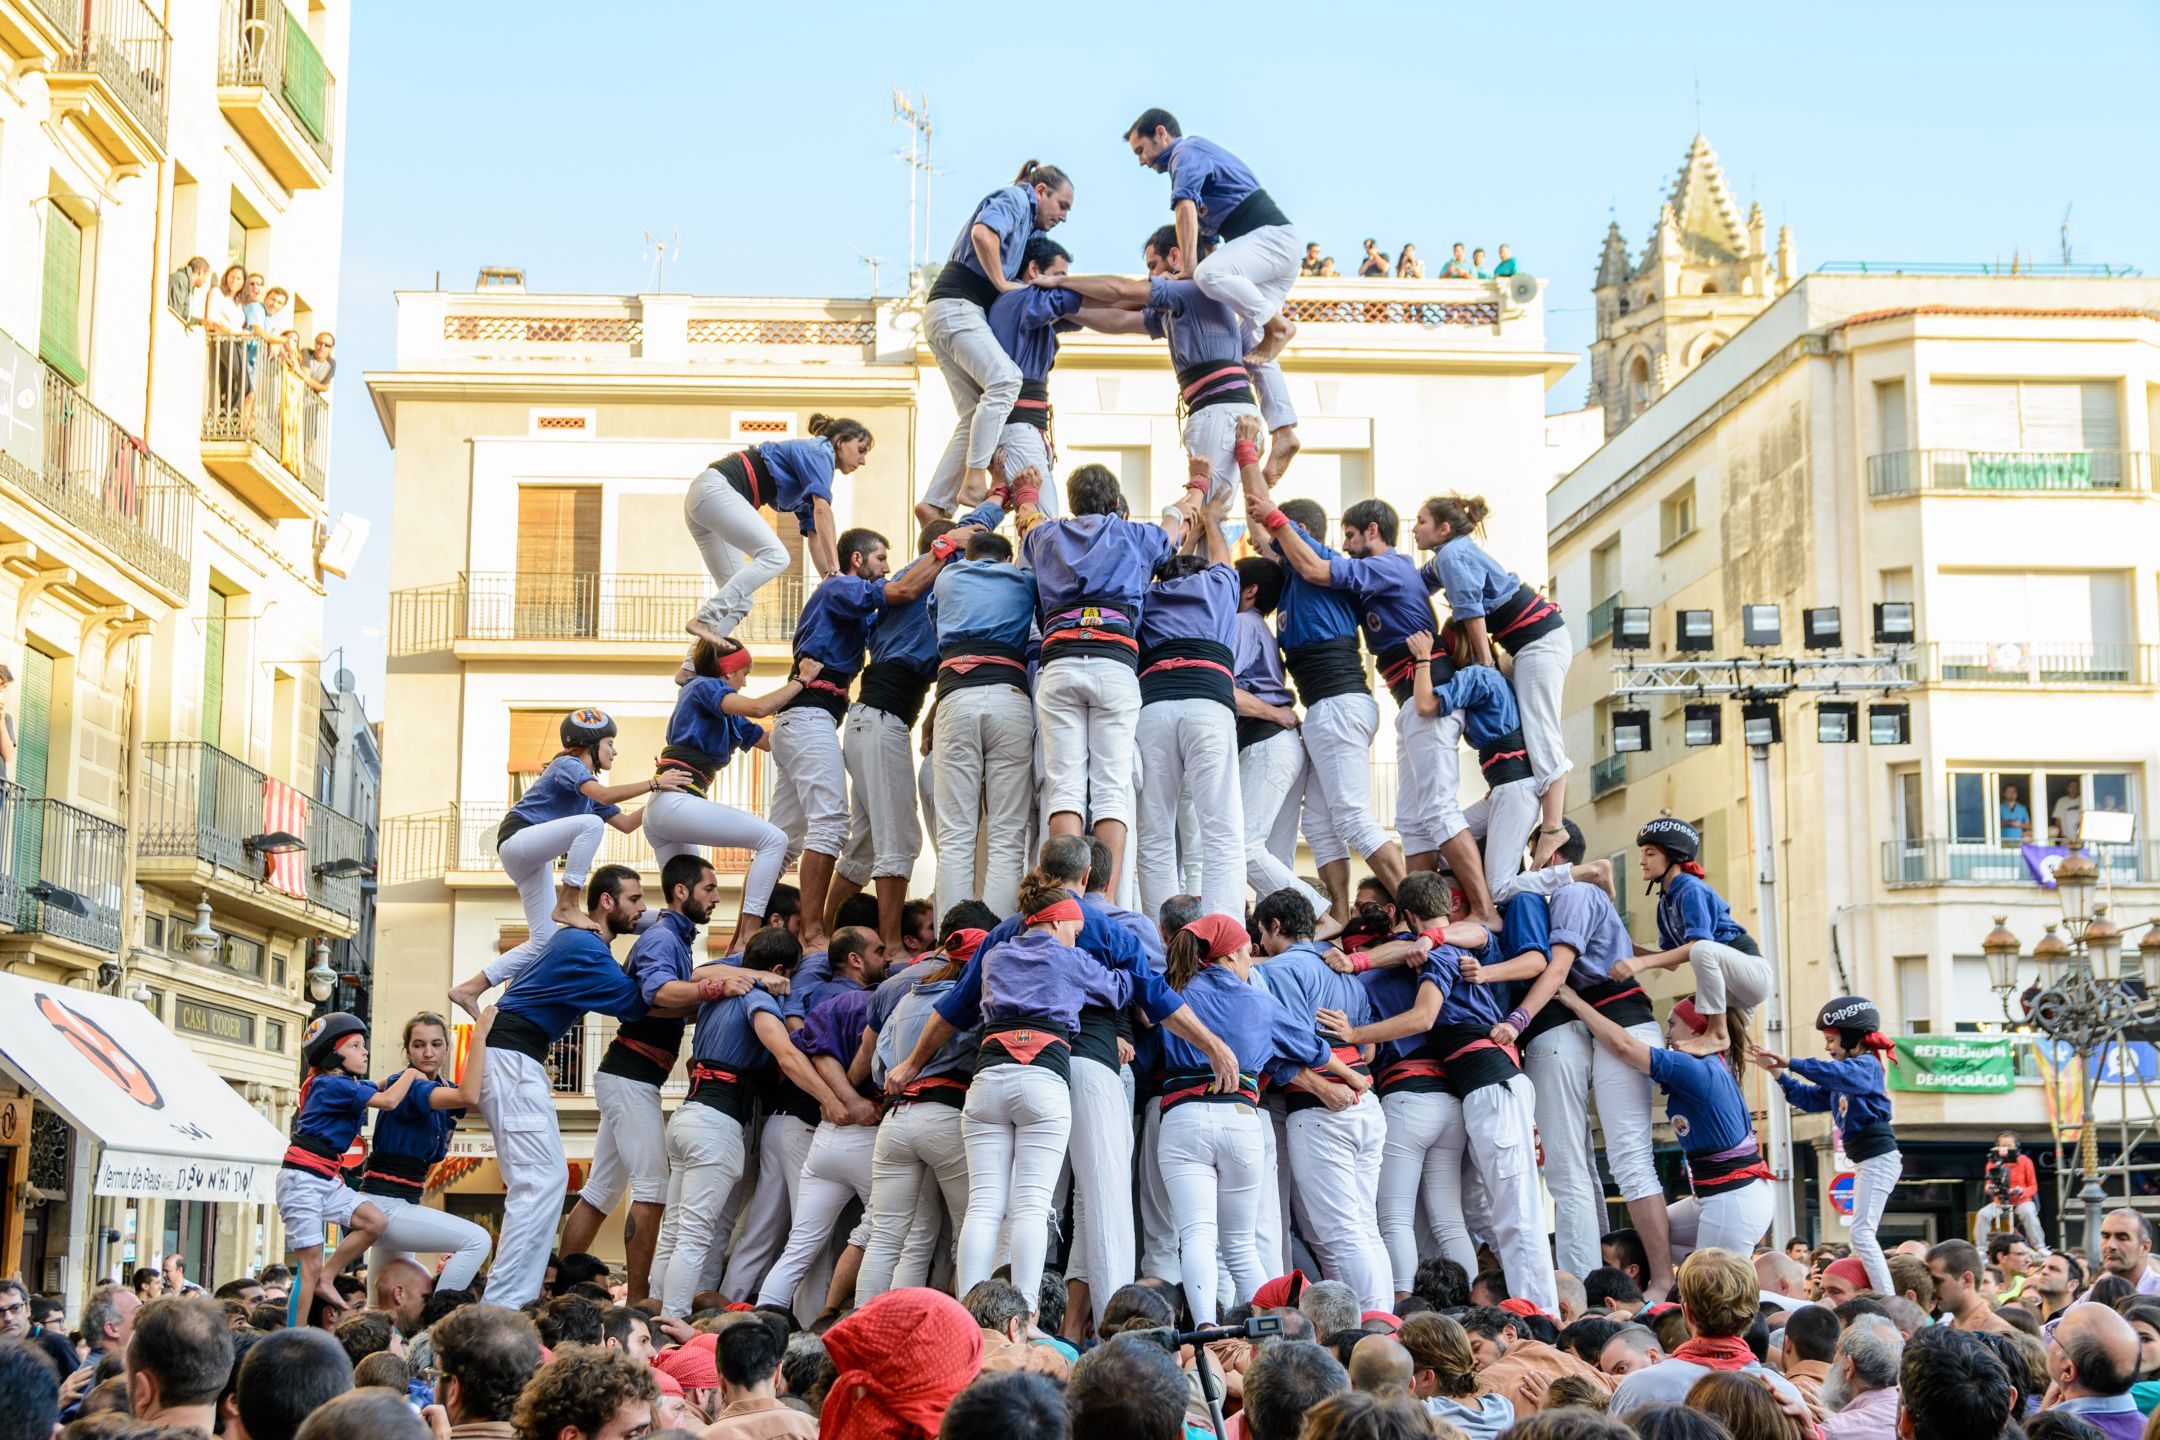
(1711, 1042)
(574, 918)
(467, 996)
(1278, 334)
(1542, 852)
(925, 512)
(1280, 454)
(329, 1293)
(704, 630)
(1490, 920)
(1327, 928)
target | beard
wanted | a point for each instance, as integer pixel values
(1836, 1391)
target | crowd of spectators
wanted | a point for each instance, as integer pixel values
(1785, 1345)
(257, 358)
(1376, 265)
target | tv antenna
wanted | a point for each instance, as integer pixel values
(914, 112)
(875, 262)
(2065, 232)
(658, 253)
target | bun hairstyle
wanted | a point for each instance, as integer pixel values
(840, 430)
(1462, 514)
(705, 657)
(1039, 892)
(1034, 172)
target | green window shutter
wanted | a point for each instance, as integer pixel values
(306, 86)
(60, 334)
(213, 680)
(33, 756)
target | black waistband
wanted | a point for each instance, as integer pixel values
(1091, 625)
(1869, 1141)
(1226, 389)
(1188, 670)
(730, 1097)
(966, 664)
(958, 281)
(1255, 212)
(634, 1052)
(520, 1036)
(1624, 1002)
(1191, 1087)
(1100, 1030)
(402, 1177)
(747, 471)
(1032, 1042)
(829, 692)
(1523, 617)
(1033, 406)
(1505, 760)
(1325, 669)
(316, 1146)
(896, 688)
(1729, 1172)
(1396, 668)
(783, 1098)
(1471, 1066)
(701, 764)
(1255, 729)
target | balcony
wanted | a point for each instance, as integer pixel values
(109, 79)
(105, 487)
(1601, 617)
(61, 871)
(508, 616)
(275, 91)
(1900, 473)
(34, 32)
(2030, 662)
(1925, 863)
(201, 807)
(1608, 775)
(265, 433)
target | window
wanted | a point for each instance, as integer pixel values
(1970, 994)
(241, 956)
(180, 243)
(1131, 466)
(1336, 481)
(2049, 415)
(274, 1036)
(236, 241)
(1912, 979)
(277, 971)
(1890, 427)
(535, 740)
(2058, 625)
(1676, 517)
(2013, 805)
(153, 932)
(558, 561)
(1605, 570)
(60, 330)
(216, 609)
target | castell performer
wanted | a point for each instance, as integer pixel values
(563, 814)
(1695, 927)
(410, 1140)
(1849, 1086)
(985, 383)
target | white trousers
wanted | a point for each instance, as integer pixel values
(705, 1154)
(917, 1142)
(2028, 1217)
(1212, 1160)
(1873, 1183)
(679, 823)
(1158, 1224)
(984, 384)
(1423, 1154)
(1101, 1150)
(1210, 434)
(836, 1170)
(810, 801)
(740, 551)
(1565, 1068)
(1338, 734)
(1503, 819)
(1728, 979)
(1540, 670)
(1335, 1160)
(1428, 768)
(983, 751)
(1014, 1125)
(1024, 446)
(519, 1108)
(1501, 1124)
(1190, 744)
(1271, 778)
(783, 1144)
(631, 1145)
(1253, 273)
(884, 836)
(1732, 1221)
(1276, 411)
(1088, 707)
(416, 1229)
(528, 857)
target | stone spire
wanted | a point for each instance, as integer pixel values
(1709, 216)
(1613, 265)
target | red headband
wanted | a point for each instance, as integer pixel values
(961, 945)
(1220, 934)
(731, 662)
(1066, 909)
(1686, 1013)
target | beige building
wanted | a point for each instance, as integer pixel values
(1981, 448)
(544, 443)
(161, 511)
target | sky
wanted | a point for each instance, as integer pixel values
(550, 134)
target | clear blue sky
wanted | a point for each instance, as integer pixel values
(548, 134)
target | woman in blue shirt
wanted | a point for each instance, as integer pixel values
(1695, 927)
(1849, 1087)
(1504, 816)
(724, 504)
(410, 1140)
(713, 722)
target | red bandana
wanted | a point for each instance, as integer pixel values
(1066, 909)
(1220, 934)
(1720, 1352)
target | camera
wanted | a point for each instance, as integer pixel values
(1996, 1182)
(1258, 1327)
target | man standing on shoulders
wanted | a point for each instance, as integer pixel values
(1955, 1267)
(1718, 1297)
(2092, 1357)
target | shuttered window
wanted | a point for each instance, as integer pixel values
(213, 677)
(60, 330)
(535, 740)
(558, 561)
(2037, 415)
(33, 754)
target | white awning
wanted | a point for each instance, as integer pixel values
(167, 1124)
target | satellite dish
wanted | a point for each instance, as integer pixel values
(341, 547)
(345, 680)
(1521, 288)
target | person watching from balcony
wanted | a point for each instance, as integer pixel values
(1408, 266)
(1328, 270)
(223, 322)
(1506, 267)
(319, 366)
(2015, 819)
(181, 290)
(1457, 268)
(1375, 264)
(1312, 262)
(740, 551)
(2068, 814)
(7, 724)
(275, 299)
(1477, 265)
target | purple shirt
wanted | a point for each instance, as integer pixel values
(1099, 557)
(1033, 977)
(1584, 920)
(835, 1027)
(1390, 597)
(1192, 607)
(1259, 664)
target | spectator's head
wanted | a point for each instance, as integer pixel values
(1910, 1278)
(1632, 1348)
(1327, 267)
(1780, 1274)
(1950, 1387)
(29, 1392)
(382, 1371)
(1356, 1415)
(1954, 1268)
(234, 281)
(275, 297)
(325, 342)
(1623, 1251)
(246, 1289)
(627, 1330)
(1014, 1405)
(1868, 1354)
(1506, 254)
(365, 1333)
(1811, 1333)
(1587, 1337)
(2060, 1425)
(1743, 1403)
(1440, 1357)
(900, 1358)
(1842, 1279)
(109, 1317)
(1612, 1289)
(1573, 1298)
(569, 1320)
(2125, 1244)
(1136, 1307)
(585, 1393)
(1128, 1386)
(1379, 1364)
(694, 1367)
(2009, 1253)
(1331, 1306)
(1286, 1380)
(1442, 1282)
(2092, 1352)
(365, 1415)
(254, 288)
(2024, 1357)
(14, 1310)
(178, 1356)
(1000, 1308)
(198, 270)
(1458, 250)
(268, 1315)
(486, 1354)
(1576, 1391)
(748, 1358)
(288, 1377)
(2055, 1276)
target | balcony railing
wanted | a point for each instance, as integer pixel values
(1601, 617)
(1961, 472)
(61, 870)
(1608, 775)
(251, 395)
(124, 45)
(200, 803)
(1970, 862)
(2031, 662)
(262, 43)
(106, 486)
(589, 606)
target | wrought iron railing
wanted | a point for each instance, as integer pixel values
(2040, 662)
(1960, 472)
(110, 489)
(251, 394)
(572, 607)
(1935, 861)
(1608, 775)
(201, 803)
(122, 43)
(260, 42)
(61, 870)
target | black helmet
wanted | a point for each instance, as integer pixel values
(1849, 1012)
(1676, 838)
(323, 1034)
(583, 729)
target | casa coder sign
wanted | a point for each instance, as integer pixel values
(1971, 1064)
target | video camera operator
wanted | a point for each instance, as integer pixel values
(2009, 1186)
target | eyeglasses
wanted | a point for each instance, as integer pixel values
(2047, 1327)
(9, 1312)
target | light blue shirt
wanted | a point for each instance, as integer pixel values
(1215, 180)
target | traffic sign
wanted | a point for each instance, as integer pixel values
(1841, 1193)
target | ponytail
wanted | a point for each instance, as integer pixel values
(1462, 514)
(1034, 172)
(839, 430)
(1690, 867)
(1039, 892)
(1185, 959)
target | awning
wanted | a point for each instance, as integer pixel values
(168, 1126)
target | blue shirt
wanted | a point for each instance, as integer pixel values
(1393, 990)
(1191, 607)
(1309, 613)
(1690, 910)
(906, 634)
(1201, 330)
(1389, 596)
(1482, 1006)
(1475, 584)
(834, 627)
(413, 1128)
(1028, 321)
(1709, 1114)
(1852, 1091)
(700, 723)
(1101, 935)
(661, 954)
(1302, 981)
(1201, 171)
(904, 1025)
(556, 795)
(1258, 660)
(576, 973)
(1104, 558)
(1582, 918)
(1097, 908)
(726, 1034)
(1486, 700)
(802, 471)
(1268, 1038)
(1010, 214)
(812, 982)
(331, 1111)
(977, 601)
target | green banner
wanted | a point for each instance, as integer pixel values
(1967, 1063)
